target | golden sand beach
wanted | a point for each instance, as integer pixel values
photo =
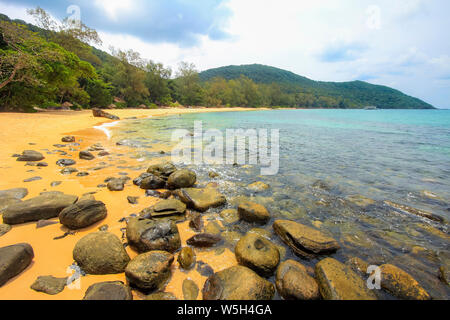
(53, 257)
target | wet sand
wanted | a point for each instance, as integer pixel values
(53, 257)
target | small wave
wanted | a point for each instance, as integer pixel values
(105, 128)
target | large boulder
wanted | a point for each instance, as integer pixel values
(165, 208)
(338, 281)
(305, 241)
(6, 201)
(101, 253)
(49, 285)
(152, 182)
(148, 235)
(83, 214)
(108, 291)
(201, 199)
(150, 271)
(401, 284)
(253, 212)
(45, 206)
(162, 170)
(13, 260)
(294, 283)
(258, 254)
(182, 179)
(30, 156)
(237, 283)
(98, 113)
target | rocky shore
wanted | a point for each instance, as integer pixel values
(136, 230)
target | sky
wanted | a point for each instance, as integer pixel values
(399, 43)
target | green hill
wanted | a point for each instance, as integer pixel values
(356, 94)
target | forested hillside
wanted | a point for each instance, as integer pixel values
(53, 63)
(306, 92)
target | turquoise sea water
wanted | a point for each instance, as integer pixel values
(329, 158)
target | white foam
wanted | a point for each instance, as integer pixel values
(104, 127)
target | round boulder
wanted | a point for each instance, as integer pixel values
(150, 271)
(101, 253)
(294, 283)
(237, 283)
(182, 179)
(13, 260)
(258, 254)
(253, 212)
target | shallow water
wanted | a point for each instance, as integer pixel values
(371, 156)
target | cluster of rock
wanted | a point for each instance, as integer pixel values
(154, 234)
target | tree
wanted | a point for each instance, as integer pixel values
(188, 84)
(157, 82)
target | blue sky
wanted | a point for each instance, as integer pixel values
(400, 43)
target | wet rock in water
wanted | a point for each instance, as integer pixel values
(68, 171)
(152, 182)
(414, 211)
(161, 296)
(201, 199)
(116, 184)
(319, 184)
(32, 179)
(182, 179)
(360, 200)
(231, 237)
(165, 208)
(196, 221)
(444, 274)
(43, 207)
(358, 265)
(401, 284)
(4, 229)
(190, 290)
(18, 193)
(294, 283)
(30, 155)
(213, 228)
(147, 235)
(338, 282)
(230, 216)
(150, 271)
(204, 240)
(49, 285)
(98, 113)
(157, 194)
(96, 147)
(83, 214)
(68, 139)
(258, 187)
(258, 254)
(101, 253)
(253, 212)
(133, 200)
(108, 291)
(14, 260)
(45, 223)
(86, 155)
(213, 174)
(162, 170)
(306, 242)
(186, 258)
(65, 162)
(237, 283)
(261, 232)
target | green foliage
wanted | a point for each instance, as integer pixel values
(100, 93)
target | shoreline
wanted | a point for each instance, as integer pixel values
(43, 132)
